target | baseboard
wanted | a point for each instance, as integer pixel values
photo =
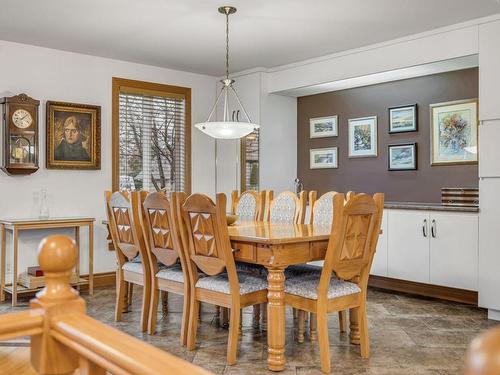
(427, 290)
(102, 279)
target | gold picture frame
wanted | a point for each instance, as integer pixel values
(454, 132)
(73, 136)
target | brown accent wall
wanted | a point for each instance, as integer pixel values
(370, 175)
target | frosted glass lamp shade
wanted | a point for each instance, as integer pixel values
(226, 129)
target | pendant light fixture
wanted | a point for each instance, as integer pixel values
(229, 127)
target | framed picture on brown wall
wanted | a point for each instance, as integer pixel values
(321, 158)
(321, 127)
(362, 137)
(403, 119)
(402, 157)
(73, 134)
(454, 129)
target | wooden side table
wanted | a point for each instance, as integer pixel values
(18, 225)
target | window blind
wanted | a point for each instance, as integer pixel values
(251, 161)
(152, 142)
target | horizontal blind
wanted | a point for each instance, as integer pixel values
(251, 166)
(152, 153)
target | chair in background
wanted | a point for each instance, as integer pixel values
(249, 205)
(131, 254)
(207, 247)
(287, 207)
(343, 281)
(167, 262)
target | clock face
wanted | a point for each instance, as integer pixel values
(22, 118)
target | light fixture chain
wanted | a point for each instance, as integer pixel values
(227, 45)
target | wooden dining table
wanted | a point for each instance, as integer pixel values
(277, 246)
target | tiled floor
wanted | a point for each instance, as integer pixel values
(408, 335)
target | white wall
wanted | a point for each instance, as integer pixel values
(47, 74)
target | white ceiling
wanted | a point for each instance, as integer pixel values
(189, 34)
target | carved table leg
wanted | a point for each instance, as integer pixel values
(354, 326)
(276, 317)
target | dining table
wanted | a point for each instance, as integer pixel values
(277, 246)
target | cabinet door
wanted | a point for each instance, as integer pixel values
(379, 265)
(408, 246)
(454, 250)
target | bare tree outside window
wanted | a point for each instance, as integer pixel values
(152, 142)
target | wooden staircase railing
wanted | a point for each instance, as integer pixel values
(64, 339)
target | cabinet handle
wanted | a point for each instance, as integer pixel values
(232, 116)
(238, 115)
(433, 229)
(424, 228)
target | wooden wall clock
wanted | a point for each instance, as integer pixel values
(19, 134)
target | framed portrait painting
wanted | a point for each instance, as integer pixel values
(321, 127)
(320, 158)
(403, 119)
(73, 136)
(454, 129)
(363, 137)
(402, 157)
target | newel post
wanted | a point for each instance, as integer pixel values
(57, 256)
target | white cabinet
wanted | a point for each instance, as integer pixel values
(438, 248)
(408, 245)
(379, 264)
(489, 79)
(453, 250)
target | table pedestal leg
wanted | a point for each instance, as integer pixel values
(276, 319)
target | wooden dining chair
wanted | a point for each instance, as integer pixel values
(133, 259)
(207, 247)
(343, 281)
(249, 205)
(167, 262)
(287, 207)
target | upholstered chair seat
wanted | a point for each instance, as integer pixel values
(220, 283)
(302, 270)
(306, 286)
(254, 269)
(172, 273)
(133, 267)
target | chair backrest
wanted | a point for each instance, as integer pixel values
(206, 239)
(160, 232)
(124, 225)
(288, 208)
(355, 231)
(322, 209)
(249, 205)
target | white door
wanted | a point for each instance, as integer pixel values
(408, 245)
(379, 265)
(454, 250)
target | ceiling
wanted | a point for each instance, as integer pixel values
(189, 34)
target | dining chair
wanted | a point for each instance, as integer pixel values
(133, 259)
(206, 243)
(343, 281)
(167, 262)
(287, 207)
(249, 205)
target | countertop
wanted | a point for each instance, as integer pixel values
(427, 207)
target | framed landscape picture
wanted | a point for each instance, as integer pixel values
(362, 137)
(73, 136)
(320, 158)
(403, 157)
(403, 119)
(454, 132)
(321, 127)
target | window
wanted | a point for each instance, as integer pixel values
(151, 136)
(250, 162)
